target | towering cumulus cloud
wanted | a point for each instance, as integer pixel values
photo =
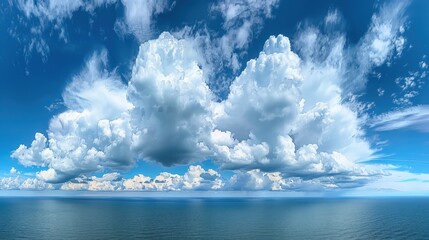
(275, 128)
(262, 105)
(171, 118)
(276, 120)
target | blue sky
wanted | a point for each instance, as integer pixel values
(229, 95)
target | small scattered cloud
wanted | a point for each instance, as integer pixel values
(333, 17)
(23, 183)
(55, 105)
(409, 86)
(13, 171)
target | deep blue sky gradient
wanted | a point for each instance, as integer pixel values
(30, 83)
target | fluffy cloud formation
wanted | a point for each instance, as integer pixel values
(171, 118)
(21, 183)
(199, 179)
(265, 96)
(285, 124)
(94, 132)
(275, 119)
(255, 180)
(13, 171)
(168, 114)
(108, 182)
(195, 179)
(164, 115)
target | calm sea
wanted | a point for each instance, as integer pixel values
(291, 218)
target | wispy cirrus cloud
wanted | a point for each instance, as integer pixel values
(415, 118)
(225, 46)
(48, 17)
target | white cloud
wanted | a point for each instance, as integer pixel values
(196, 178)
(163, 115)
(108, 182)
(21, 183)
(168, 114)
(35, 184)
(409, 86)
(9, 183)
(333, 17)
(13, 171)
(45, 16)
(94, 132)
(32, 156)
(311, 132)
(392, 182)
(264, 96)
(397, 183)
(255, 180)
(409, 118)
(323, 132)
(242, 20)
(139, 17)
(251, 180)
(284, 125)
(405, 99)
(57, 10)
(383, 40)
(171, 118)
(163, 182)
(48, 16)
(384, 36)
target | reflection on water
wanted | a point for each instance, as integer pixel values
(297, 218)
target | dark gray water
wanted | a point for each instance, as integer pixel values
(301, 218)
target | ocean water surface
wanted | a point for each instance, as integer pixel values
(214, 218)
